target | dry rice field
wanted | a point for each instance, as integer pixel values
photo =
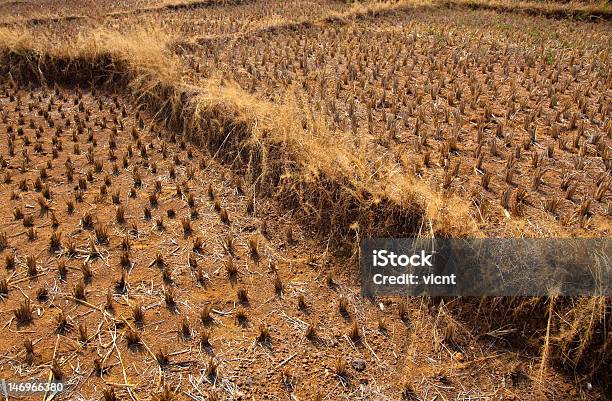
(184, 185)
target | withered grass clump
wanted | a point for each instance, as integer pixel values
(108, 303)
(82, 334)
(125, 243)
(23, 313)
(242, 295)
(132, 337)
(138, 314)
(224, 216)
(42, 294)
(170, 297)
(301, 302)
(408, 393)
(212, 368)
(205, 315)
(402, 311)
(343, 305)
(9, 261)
(263, 334)
(340, 367)
(254, 247)
(242, 317)
(167, 275)
(121, 285)
(120, 214)
(381, 324)
(86, 271)
(69, 207)
(288, 379)
(18, 215)
(4, 288)
(32, 234)
(71, 249)
(101, 232)
(62, 323)
(278, 285)
(124, 257)
(166, 394)
(153, 201)
(159, 260)
(162, 356)
(187, 229)
(78, 291)
(159, 224)
(230, 267)
(87, 221)
(229, 244)
(311, 332)
(329, 280)
(289, 235)
(185, 328)
(205, 338)
(28, 220)
(28, 346)
(32, 265)
(197, 245)
(56, 370)
(354, 333)
(108, 394)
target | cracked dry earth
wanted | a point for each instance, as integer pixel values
(137, 267)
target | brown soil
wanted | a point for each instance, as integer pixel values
(428, 351)
(399, 64)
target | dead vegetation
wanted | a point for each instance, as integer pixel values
(143, 240)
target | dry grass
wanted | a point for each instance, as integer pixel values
(306, 167)
(599, 9)
(315, 167)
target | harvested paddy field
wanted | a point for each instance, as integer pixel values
(185, 187)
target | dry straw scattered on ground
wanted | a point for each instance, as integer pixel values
(341, 186)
